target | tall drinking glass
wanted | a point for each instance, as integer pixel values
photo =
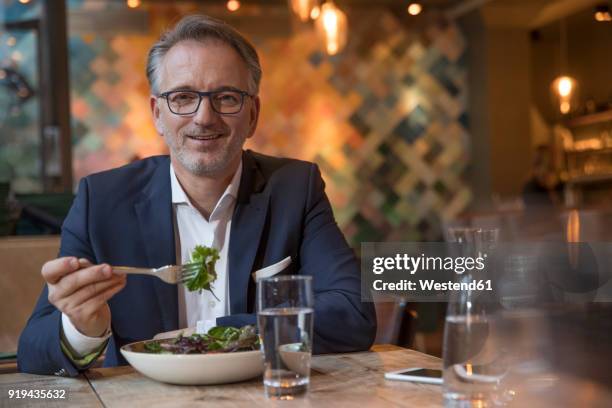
(285, 318)
(473, 360)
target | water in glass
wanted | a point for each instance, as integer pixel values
(287, 349)
(285, 306)
(474, 365)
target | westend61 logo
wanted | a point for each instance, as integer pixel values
(412, 264)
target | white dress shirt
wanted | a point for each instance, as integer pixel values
(191, 228)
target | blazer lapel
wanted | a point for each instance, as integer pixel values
(154, 214)
(247, 224)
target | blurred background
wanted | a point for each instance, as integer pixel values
(422, 115)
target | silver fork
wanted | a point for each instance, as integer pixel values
(169, 273)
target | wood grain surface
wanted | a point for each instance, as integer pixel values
(337, 380)
(78, 391)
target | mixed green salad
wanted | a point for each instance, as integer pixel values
(206, 273)
(218, 340)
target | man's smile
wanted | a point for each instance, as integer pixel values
(212, 136)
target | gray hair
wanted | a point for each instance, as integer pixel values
(201, 28)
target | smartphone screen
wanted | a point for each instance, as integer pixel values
(423, 372)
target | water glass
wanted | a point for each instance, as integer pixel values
(474, 363)
(285, 319)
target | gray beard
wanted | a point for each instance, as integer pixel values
(195, 166)
(199, 167)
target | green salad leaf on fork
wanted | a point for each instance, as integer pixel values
(206, 273)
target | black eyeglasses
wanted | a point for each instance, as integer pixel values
(224, 102)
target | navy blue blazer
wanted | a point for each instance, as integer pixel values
(124, 217)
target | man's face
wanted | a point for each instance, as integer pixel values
(204, 143)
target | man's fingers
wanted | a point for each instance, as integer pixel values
(91, 306)
(85, 293)
(83, 263)
(71, 283)
(52, 271)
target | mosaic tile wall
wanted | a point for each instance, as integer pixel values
(110, 96)
(385, 120)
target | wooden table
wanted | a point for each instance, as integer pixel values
(338, 380)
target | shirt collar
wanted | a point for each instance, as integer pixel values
(180, 197)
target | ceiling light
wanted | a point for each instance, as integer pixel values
(233, 5)
(602, 13)
(133, 3)
(564, 88)
(315, 12)
(414, 9)
(332, 28)
(304, 8)
(564, 91)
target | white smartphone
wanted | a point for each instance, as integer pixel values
(417, 374)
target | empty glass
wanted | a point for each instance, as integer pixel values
(474, 362)
(285, 318)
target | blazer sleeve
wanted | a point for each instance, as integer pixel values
(39, 350)
(342, 322)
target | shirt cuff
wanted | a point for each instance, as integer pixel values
(81, 344)
(81, 362)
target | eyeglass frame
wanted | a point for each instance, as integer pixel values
(201, 95)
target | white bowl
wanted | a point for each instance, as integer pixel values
(295, 360)
(194, 369)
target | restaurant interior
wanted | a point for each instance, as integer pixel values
(422, 116)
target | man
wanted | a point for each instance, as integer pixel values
(256, 210)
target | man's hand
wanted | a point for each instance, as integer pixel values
(81, 290)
